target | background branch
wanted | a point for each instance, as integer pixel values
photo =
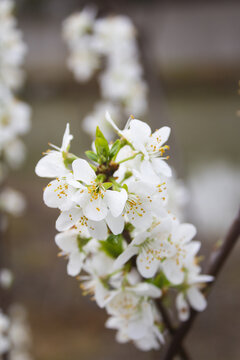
(171, 329)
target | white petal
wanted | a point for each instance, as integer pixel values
(140, 131)
(203, 278)
(113, 323)
(58, 194)
(141, 221)
(67, 137)
(185, 233)
(161, 167)
(196, 298)
(75, 263)
(147, 265)
(51, 165)
(112, 123)
(161, 136)
(101, 294)
(144, 289)
(96, 209)
(141, 188)
(67, 241)
(172, 271)
(98, 229)
(147, 173)
(136, 330)
(129, 252)
(115, 224)
(182, 307)
(81, 197)
(116, 201)
(82, 171)
(140, 238)
(68, 218)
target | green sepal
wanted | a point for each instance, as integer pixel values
(68, 159)
(107, 185)
(81, 241)
(125, 187)
(113, 246)
(101, 178)
(91, 155)
(160, 281)
(129, 227)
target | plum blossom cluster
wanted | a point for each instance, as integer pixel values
(14, 114)
(15, 338)
(12, 47)
(107, 46)
(118, 233)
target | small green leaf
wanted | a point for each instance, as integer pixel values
(92, 155)
(102, 149)
(115, 149)
(113, 246)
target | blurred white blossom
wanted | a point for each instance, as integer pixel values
(12, 47)
(6, 278)
(107, 47)
(215, 197)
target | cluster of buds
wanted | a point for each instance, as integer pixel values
(116, 228)
(107, 44)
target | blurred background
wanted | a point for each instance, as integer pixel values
(191, 56)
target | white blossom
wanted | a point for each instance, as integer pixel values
(150, 145)
(12, 47)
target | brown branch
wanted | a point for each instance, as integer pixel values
(171, 329)
(217, 261)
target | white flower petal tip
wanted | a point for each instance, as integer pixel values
(82, 171)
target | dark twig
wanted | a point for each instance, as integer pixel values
(217, 261)
(171, 329)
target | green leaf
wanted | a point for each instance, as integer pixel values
(107, 185)
(113, 246)
(115, 149)
(92, 155)
(82, 242)
(102, 148)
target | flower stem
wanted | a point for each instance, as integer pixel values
(129, 158)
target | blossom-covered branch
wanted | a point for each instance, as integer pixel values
(118, 232)
(107, 46)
